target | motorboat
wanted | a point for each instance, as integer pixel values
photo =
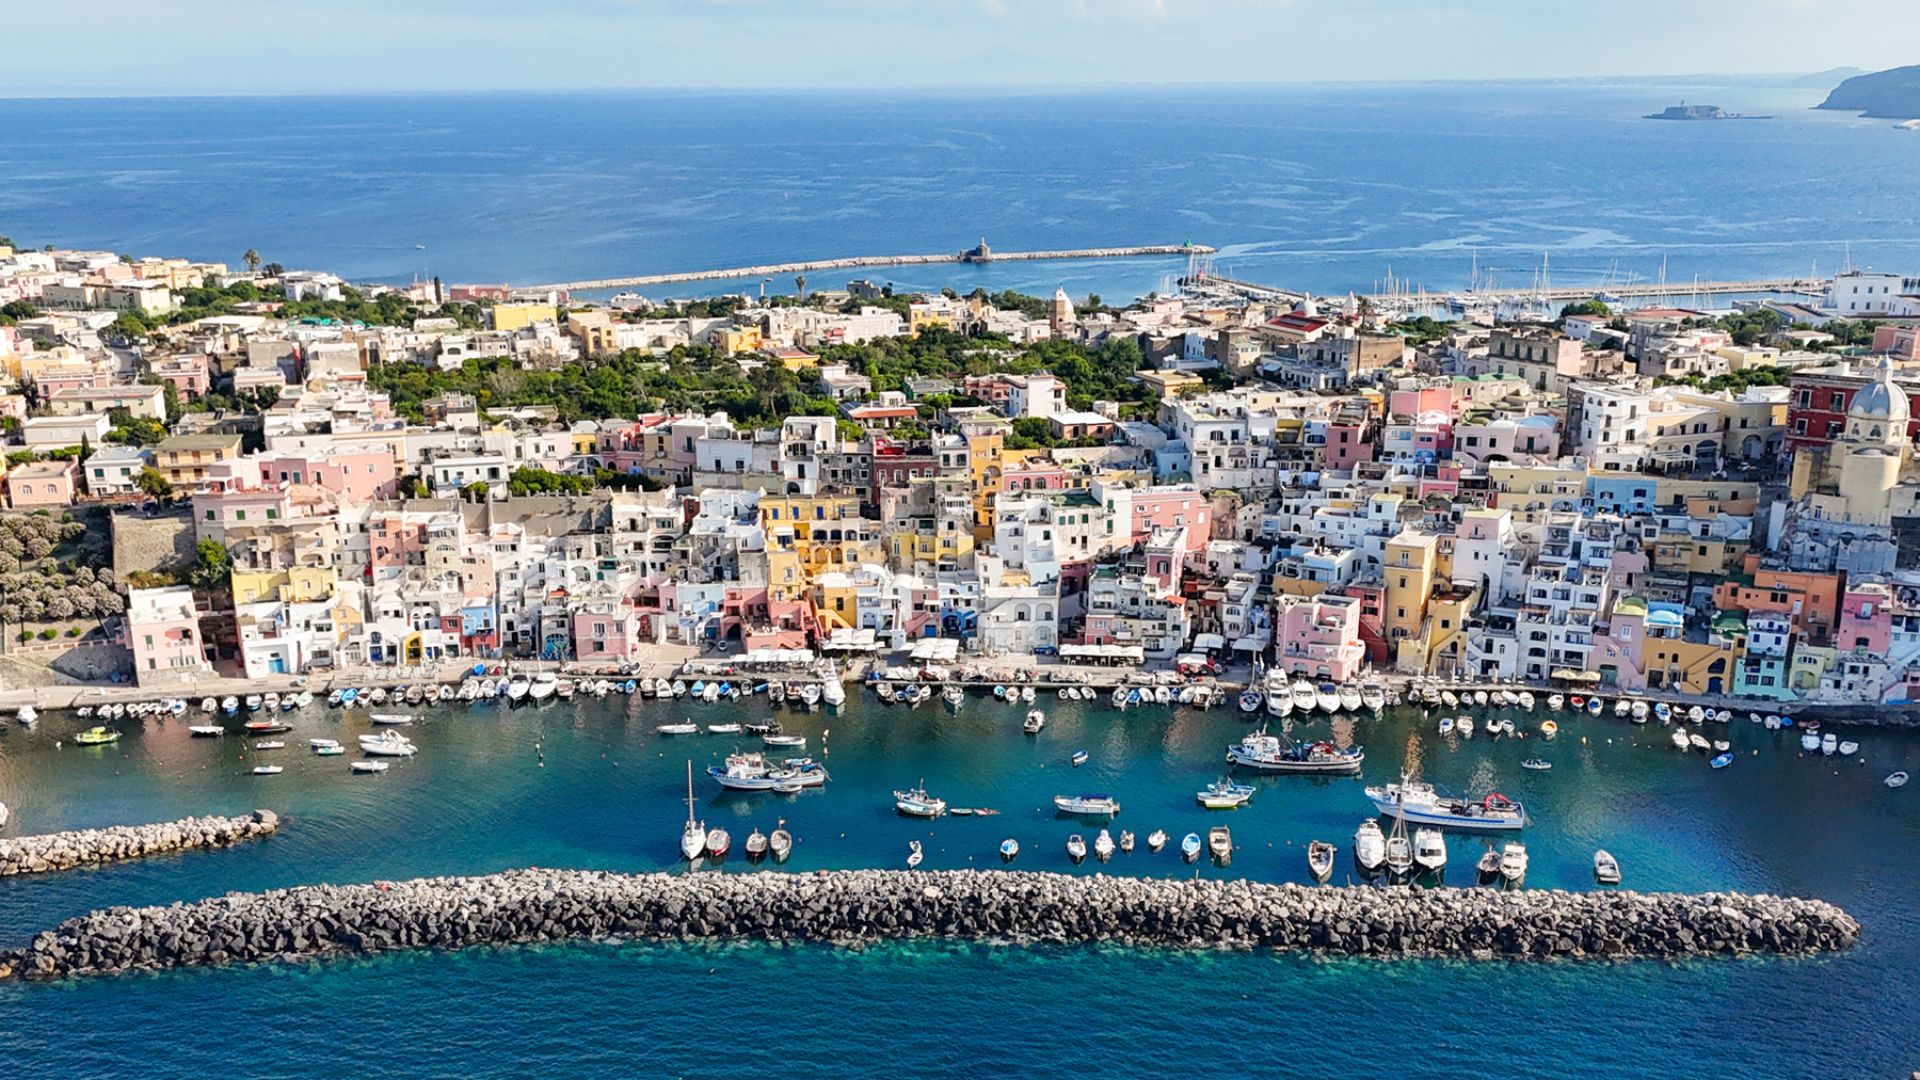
(835, 695)
(1429, 850)
(414, 694)
(1126, 842)
(1480, 698)
(809, 695)
(1896, 779)
(1103, 846)
(1696, 741)
(1305, 699)
(1513, 863)
(1555, 701)
(208, 704)
(1277, 698)
(96, 736)
(1419, 804)
(321, 744)
(915, 802)
(1157, 839)
(369, 766)
(1026, 694)
(252, 702)
(1696, 715)
(1526, 700)
(756, 845)
(270, 744)
(1076, 847)
(684, 727)
(752, 772)
(718, 841)
(1369, 847)
(517, 689)
(393, 719)
(680, 690)
(1119, 698)
(1679, 738)
(1537, 764)
(1372, 697)
(27, 715)
(1327, 698)
(564, 689)
(1721, 746)
(1663, 712)
(1724, 716)
(1848, 749)
(795, 741)
(206, 731)
(1548, 729)
(1449, 699)
(1162, 695)
(1350, 699)
(1595, 706)
(543, 686)
(954, 697)
(1320, 860)
(723, 729)
(1445, 726)
(1224, 794)
(348, 696)
(1829, 744)
(1220, 843)
(1034, 722)
(1606, 869)
(1464, 725)
(377, 695)
(1272, 753)
(1622, 708)
(1078, 758)
(1721, 761)
(269, 770)
(780, 842)
(1190, 846)
(387, 743)
(1009, 849)
(1576, 702)
(1488, 867)
(1087, 805)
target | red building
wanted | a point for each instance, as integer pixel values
(1817, 409)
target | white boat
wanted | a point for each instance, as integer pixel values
(1513, 863)
(751, 772)
(1446, 725)
(1034, 722)
(680, 689)
(810, 695)
(517, 689)
(564, 689)
(956, 697)
(1103, 846)
(252, 702)
(1157, 839)
(1429, 850)
(208, 704)
(1374, 698)
(1848, 749)
(1809, 741)
(1480, 698)
(1526, 700)
(392, 719)
(693, 837)
(1464, 725)
(1320, 860)
(28, 714)
(322, 744)
(1829, 743)
(1009, 849)
(543, 686)
(685, 727)
(784, 740)
(1076, 847)
(1224, 795)
(1639, 712)
(1537, 764)
(1448, 699)
(1369, 846)
(1220, 843)
(1327, 698)
(780, 842)
(1087, 805)
(1190, 846)
(914, 854)
(1350, 699)
(1896, 779)
(1622, 708)
(1305, 699)
(835, 694)
(723, 729)
(1696, 715)
(1278, 698)
(1555, 701)
(369, 766)
(206, 731)
(1026, 695)
(1679, 738)
(1419, 804)
(269, 770)
(1606, 869)
(269, 744)
(1161, 695)
(387, 743)
(1271, 753)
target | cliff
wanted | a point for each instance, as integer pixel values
(1893, 94)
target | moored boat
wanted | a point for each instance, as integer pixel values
(1896, 779)
(1548, 729)
(1190, 846)
(1304, 697)
(1327, 698)
(1350, 698)
(1375, 699)
(1419, 803)
(388, 743)
(368, 766)
(693, 835)
(684, 727)
(1429, 850)
(1537, 764)
(717, 843)
(206, 731)
(1606, 869)
(96, 736)
(1009, 848)
(1220, 843)
(915, 802)
(1103, 846)
(1513, 863)
(1224, 794)
(1271, 753)
(1034, 722)
(1093, 805)
(1320, 860)
(1369, 847)
(1157, 839)
(1076, 847)
(780, 841)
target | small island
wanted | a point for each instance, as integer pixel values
(1684, 111)
(1893, 94)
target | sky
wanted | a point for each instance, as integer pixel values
(360, 46)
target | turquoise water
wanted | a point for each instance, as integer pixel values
(603, 790)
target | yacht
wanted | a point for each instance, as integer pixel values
(1419, 804)
(1350, 698)
(1374, 698)
(1429, 850)
(916, 802)
(1271, 753)
(1369, 847)
(387, 743)
(1304, 697)
(1279, 699)
(1224, 794)
(1087, 805)
(1327, 698)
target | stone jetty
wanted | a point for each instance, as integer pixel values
(854, 907)
(66, 850)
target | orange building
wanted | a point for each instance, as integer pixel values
(1810, 600)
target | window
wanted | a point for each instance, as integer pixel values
(1836, 402)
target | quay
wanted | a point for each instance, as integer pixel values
(854, 907)
(974, 255)
(50, 852)
(1652, 291)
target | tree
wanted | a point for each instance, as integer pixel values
(273, 269)
(1586, 307)
(129, 327)
(536, 481)
(150, 481)
(212, 566)
(800, 283)
(252, 259)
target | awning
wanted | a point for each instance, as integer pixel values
(778, 656)
(1204, 642)
(1134, 653)
(1570, 675)
(936, 650)
(847, 639)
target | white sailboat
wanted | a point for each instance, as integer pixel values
(693, 838)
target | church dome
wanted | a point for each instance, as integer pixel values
(1880, 399)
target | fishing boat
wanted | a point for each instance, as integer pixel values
(693, 836)
(1663, 712)
(1320, 860)
(1446, 725)
(752, 772)
(1548, 729)
(1119, 698)
(1157, 839)
(1678, 738)
(1526, 700)
(1078, 758)
(1399, 852)
(1429, 850)
(1190, 846)
(1126, 842)
(1103, 846)
(390, 718)
(1034, 722)
(915, 802)
(1595, 706)
(1026, 694)
(1373, 698)
(1696, 715)
(1896, 779)
(780, 841)
(1576, 703)
(1488, 867)
(1076, 847)
(1537, 764)
(1513, 863)
(679, 688)
(1464, 725)
(1220, 843)
(1224, 794)
(267, 727)
(368, 766)
(1369, 847)
(1350, 699)
(1087, 805)
(954, 697)
(1326, 697)
(1449, 699)
(1606, 869)
(269, 770)
(1721, 761)
(1480, 698)
(1555, 701)
(684, 727)
(755, 845)
(208, 704)
(96, 736)
(1418, 803)
(206, 731)
(1304, 697)
(1009, 849)
(784, 740)
(252, 702)
(1271, 753)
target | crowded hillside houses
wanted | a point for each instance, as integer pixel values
(1666, 500)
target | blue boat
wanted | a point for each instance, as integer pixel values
(1786, 721)
(1662, 711)
(758, 688)
(1133, 696)
(699, 687)
(348, 695)
(726, 688)
(1722, 761)
(1079, 758)
(629, 686)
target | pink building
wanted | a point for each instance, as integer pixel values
(41, 484)
(606, 631)
(71, 377)
(1036, 475)
(357, 476)
(163, 632)
(1349, 443)
(1172, 507)
(234, 493)
(1866, 620)
(1424, 399)
(1319, 637)
(190, 374)
(1617, 653)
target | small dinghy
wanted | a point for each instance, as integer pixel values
(1896, 779)
(370, 766)
(1079, 758)
(1126, 842)
(723, 729)
(780, 842)
(206, 731)
(1009, 848)
(1157, 839)
(1848, 749)
(756, 845)
(1320, 860)
(1721, 761)
(1606, 869)
(1076, 847)
(269, 770)
(1190, 846)
(682, 728)
(1103, 846)
(1537, 764)
(270, 744)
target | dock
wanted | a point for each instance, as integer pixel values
(1669, 292)
(973, 255)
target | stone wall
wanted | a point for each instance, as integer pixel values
(857, 906)
(66, 850)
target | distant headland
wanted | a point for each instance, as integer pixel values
(1893, 94)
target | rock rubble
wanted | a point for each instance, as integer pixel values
(66, 850)
(862, 906)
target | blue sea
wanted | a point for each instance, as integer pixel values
(1327, 188)
(592, 785)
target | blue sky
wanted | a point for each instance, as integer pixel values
(228, 46)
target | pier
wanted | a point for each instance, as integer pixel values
(853, 907)
(974, 255)
(1660, 292)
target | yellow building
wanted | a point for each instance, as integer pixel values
(1446, 630)
(185, 459)
(521, 316)
(1411, 561)
(1529, 491)
(787, 580)
(1681, 552)
(836, 601)
(1810, 664)
(824, 532)
(294, 585)
(737, 339)
(595, 330)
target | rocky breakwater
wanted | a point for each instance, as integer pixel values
(860, 906)
(66, 850)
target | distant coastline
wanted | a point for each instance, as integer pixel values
(1893, 94)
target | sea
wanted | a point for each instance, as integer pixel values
(1333, 189)
(1326, 188)
(591, 784)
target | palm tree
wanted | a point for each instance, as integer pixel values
(252, 259)
(800, 280)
